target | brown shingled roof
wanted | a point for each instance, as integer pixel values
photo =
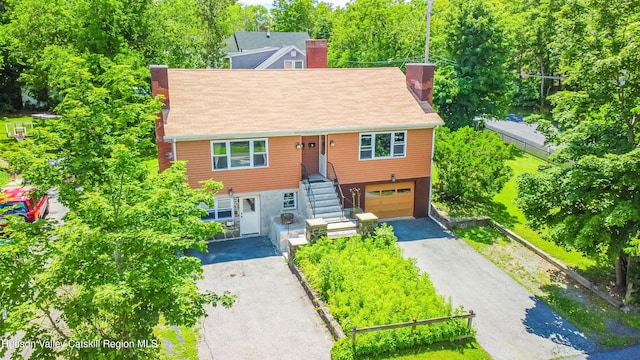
(229, 103)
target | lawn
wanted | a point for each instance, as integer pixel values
(504, 210)
(525, 163)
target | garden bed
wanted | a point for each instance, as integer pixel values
(367, 282)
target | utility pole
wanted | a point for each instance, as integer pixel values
(426, 45)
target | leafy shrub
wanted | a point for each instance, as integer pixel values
(471, 164)
(367, 282)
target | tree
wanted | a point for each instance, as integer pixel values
(293, 15)
(10, 94)
(102, 103)
(323, 16)
(471, 164)
(591, 204)
(532, 28)
(114, 267)
(248, 17)
(378, 33)
(181, 33)
(474, 81)
(213, 14)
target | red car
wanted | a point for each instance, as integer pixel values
(20, 201)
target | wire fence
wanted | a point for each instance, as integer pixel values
(541, 152)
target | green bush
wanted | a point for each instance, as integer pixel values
(367, 282)
(470, 164)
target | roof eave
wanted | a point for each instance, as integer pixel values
(267, 134)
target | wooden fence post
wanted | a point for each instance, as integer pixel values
(353, 339)
(413, 327)
(470, 319)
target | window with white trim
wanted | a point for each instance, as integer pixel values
(382, 145)
(289, 201)
(239, 154)
(222, 209)
(293, 64)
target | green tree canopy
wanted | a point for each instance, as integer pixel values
(292, 15)
(474, 80)
(181, 33)
(114, 267)
(378, 33)
(592, 203)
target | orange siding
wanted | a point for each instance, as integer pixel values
(283, 171)
(344, 156)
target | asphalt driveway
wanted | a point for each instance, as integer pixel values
(272, 317)
(511, 322)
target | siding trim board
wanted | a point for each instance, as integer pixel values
(310, 132)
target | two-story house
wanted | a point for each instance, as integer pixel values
(267, 50)
(271, 136)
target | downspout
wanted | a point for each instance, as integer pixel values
(175, 151)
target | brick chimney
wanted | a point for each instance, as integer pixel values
(316, 54)
(160, 86)
(420, 80)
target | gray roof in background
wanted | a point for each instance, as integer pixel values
(242, 41)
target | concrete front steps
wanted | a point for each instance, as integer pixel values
(341, 229)
(326, 204)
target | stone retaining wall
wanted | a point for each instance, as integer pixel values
(562, 267)
(458, 223)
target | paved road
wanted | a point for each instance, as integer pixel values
(511, 323)
(519, 130)
(272, 318)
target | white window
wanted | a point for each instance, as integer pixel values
(382, 145)
(222, 209)
(239, 154)
(293, 64)
(289, 201)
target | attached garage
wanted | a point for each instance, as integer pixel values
(390, 200)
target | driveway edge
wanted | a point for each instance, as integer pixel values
(562, 267)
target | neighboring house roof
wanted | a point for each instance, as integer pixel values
(250, 59)
(277, 55)
(243, 41)
(215, 104)
(252, 52)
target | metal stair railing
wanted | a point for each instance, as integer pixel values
(331, 175)
(307, 188)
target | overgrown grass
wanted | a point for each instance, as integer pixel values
(457, 350)
(367, 282)
(588, 312)
(177, 342)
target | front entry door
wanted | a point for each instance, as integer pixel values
(322, 166)
(249, 215)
